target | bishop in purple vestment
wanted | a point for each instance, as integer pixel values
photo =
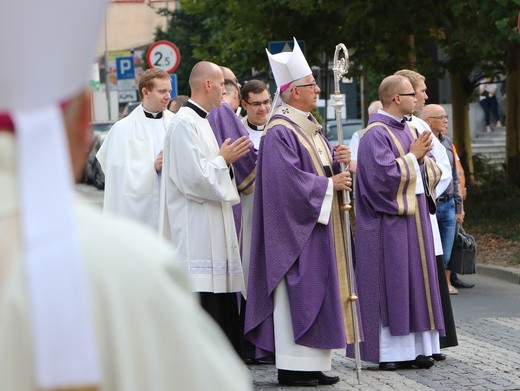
(297, 291)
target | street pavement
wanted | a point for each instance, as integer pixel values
(487, 358)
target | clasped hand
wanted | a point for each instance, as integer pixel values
(158, 163)
(231, 152)
(421, 146)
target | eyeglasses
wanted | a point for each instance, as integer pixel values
(313, 85)
(441, 117)
(408, 94)
(266, 102)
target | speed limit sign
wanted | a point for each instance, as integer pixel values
(163, 55)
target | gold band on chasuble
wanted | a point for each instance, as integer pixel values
(408, 174)
(247, 186)
(424, 266)
(341, 251)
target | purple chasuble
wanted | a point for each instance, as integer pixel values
(395, 261)
(288, 243)
(226, 124)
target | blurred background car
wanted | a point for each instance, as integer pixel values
(349, 126)
(93, 173)
(129, 107)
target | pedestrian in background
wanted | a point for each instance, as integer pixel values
(176, 103)
(449, 202)
(454, 278)
(488, 102)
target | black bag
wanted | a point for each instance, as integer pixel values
(464, 253)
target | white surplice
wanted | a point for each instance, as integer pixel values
(196, 215)
(127, 158)
(441, 158)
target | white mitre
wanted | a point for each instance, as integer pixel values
(287, 67)
(47, 53)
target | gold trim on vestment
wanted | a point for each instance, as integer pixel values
(408, 174)
(297, 119)
(248, 181)
(424, 266)
(406, 165)
(338, 228)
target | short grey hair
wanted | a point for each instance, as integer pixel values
(284, 96)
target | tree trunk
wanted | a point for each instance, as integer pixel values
(365, 87)
(411, 58)
(513, 113)
(461, 132)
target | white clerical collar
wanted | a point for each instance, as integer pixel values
(381, 111)
(255, 127)
(149, 114)
(305, 113)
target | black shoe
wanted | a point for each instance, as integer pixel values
(296, 378)
(439, 357)
(393, 366)
(256, 361)
(324, 379)
(388, 366)
(423, 362)
(460, 284)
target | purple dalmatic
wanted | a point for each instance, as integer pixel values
(395, 260)
(226, 124)
(289, 243)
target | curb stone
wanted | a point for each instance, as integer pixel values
(509, 274)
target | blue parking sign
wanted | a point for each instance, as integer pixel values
(173, 78)
(125, 68)
(284, 46)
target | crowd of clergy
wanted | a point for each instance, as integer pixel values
(224, 239)
(254, 208)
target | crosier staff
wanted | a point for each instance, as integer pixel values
(341, 63)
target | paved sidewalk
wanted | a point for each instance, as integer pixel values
(487, 358)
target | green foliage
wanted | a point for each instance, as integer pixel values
(467, 38)
(316, 113)
(475, 36)
(382, 36)
(492, 201)
(492, 206)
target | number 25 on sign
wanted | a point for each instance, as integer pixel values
(163, 55)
